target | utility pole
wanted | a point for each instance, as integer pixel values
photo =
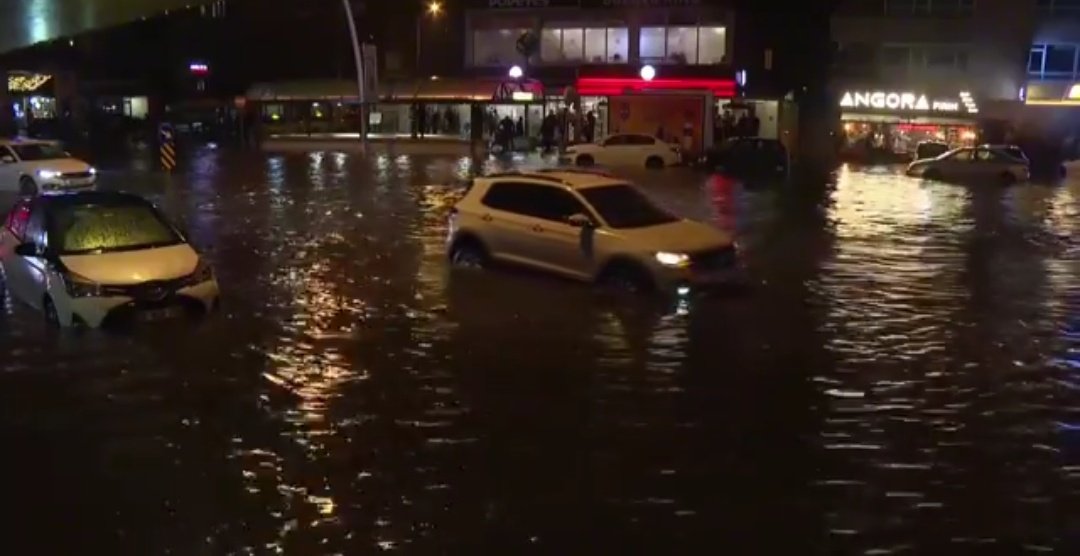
(360, 77)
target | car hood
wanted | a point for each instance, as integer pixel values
(683, 236)
(63, 165)
(134, 267)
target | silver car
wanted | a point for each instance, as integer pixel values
(979, 164)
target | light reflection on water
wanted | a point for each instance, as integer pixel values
(902, 375)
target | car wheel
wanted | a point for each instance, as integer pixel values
(468, 254)
(627, 278)
(654, 162)
(584, 160)
(1006, 178)
(52, 318)
(27, 187)
(933, 175)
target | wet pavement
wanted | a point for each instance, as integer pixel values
(902, 378)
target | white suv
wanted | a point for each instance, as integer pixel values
(30, 166)
(586, 226)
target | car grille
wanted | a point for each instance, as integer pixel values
(75, 175)
(148, 291)
(714, 259)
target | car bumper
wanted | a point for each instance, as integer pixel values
(96, 311)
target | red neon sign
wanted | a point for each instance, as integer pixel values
(610, 86)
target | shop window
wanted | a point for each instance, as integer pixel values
(562, 45)
(712, 45)
(137, 108)
(682, 45)
(1060, 58)
(496, 47)
(618, 41)
(652, 47)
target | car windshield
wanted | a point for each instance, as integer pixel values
(623, 206)
(100, 228)
(39, 151)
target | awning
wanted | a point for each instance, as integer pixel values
(427, 90)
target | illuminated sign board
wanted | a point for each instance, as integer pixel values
(896, 100)
(26, 82)
(522, 96)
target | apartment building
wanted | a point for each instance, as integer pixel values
(907, 71)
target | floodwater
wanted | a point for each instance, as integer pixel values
(902, 378)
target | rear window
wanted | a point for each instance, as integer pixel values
(99, 228)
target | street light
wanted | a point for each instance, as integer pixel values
(516, 72)
(434, 9)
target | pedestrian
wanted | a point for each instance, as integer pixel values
(519, 127)
(506, 129)
(547, 132)
(590, 126)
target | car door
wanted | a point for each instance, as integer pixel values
(614, 151)
(558, 245)
(958, 165)
(990, 164)
(16, 272)
(508, 221)
(35, 268)
(641, 147)
(9, 169)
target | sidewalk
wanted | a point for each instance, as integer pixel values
(377, 142)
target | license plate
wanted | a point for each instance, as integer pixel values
(154, 315)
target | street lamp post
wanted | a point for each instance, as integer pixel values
(434, 9)
(360, 77)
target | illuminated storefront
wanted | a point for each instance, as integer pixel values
(32, 98)
(894, 122)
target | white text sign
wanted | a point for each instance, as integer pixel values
(894, 100)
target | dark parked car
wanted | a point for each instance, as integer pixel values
(930, 149)
(749, 157)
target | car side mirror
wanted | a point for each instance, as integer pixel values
(28, 250)
(579, 221)
(7, 159)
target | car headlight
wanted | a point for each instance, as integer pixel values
(48, 174)
(92, 171)
(677, 260)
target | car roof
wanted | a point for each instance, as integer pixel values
(91, 198)
(569, 177)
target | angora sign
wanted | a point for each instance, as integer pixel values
(894, 100)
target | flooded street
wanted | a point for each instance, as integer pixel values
(903, 377)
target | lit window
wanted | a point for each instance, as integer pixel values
(595, 46)
(573, 45)
(551, 45)
(682, 45)
(618, 39)
(713, 45)
(652, 47)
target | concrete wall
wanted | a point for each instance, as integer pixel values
(998, 33)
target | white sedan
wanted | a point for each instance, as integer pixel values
(625, 149)
(972, 164)
(30, 166)
(93, 258)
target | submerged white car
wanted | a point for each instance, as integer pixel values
(30, 166)
(590, 227)
(625, 149)
(95, 258)
(982, 164)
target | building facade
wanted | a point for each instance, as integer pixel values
(908, 71)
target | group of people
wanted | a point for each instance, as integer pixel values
(728, 126)
(504, 131)
(433, 121)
